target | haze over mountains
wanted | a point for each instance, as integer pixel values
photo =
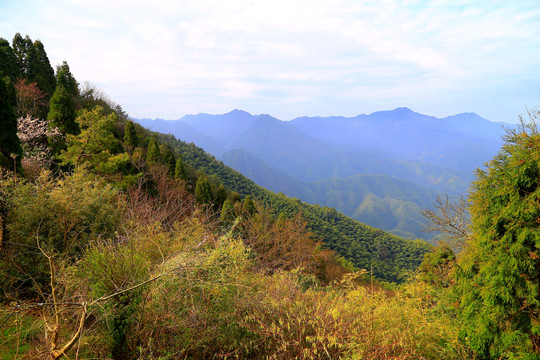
(381, 169)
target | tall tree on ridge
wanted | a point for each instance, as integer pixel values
(8, 61)
(10, 146)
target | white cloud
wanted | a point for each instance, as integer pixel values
(295, 57)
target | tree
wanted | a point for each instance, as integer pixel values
(8, 61)
(62, 111)
(130, 136)
(65, 78)
(30, 100)
(452, 219)
(180, 170)
(33, 63)
(22, 49)
(498, 275)
(203, 193)
(10, 146)
(41, 69)
(96, 147)
(153, 155)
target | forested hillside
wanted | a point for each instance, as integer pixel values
(297, 156)
(391, 258)
(121, 243)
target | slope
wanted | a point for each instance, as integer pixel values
(391, 257)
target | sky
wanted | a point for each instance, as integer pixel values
(166, 59)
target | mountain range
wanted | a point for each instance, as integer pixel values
(381, 169)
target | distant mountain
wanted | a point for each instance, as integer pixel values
(387, 203)
(462, 142)
(354, 164)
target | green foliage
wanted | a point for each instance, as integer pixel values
(153, 155)
(62, 111)
(98, 148)
(130, 135)
(392, 258)
(33, 63)
(110, 268)
(180, 170)
(437, 266)
(203, 193)
(9, 141)
(63, 215)
(498, 277)
(65, 78)
(8, 61)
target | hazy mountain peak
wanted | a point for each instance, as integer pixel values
(238, 113)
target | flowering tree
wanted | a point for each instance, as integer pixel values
(35, 136)
(30, 100)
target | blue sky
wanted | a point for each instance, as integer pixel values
(165, 59)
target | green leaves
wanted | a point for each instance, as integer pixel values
(499, 276)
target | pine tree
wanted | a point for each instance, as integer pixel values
(10, 146)
(203, 193)
(153, 156)
(62, 111)
(498, 276)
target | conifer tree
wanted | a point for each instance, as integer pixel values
(203, 193)
(62, 111)
(168, 159)
(180, 170)
(10, 145)
(498, 275)
(8, 61)
(221, 196)
(33, 63)
(22, 49)
(41, 69)
(65, 77)
(248, 206)
(130, 136)
(227, 213)
(153, 156)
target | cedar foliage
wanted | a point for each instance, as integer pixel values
(499, 274)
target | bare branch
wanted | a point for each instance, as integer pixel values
(452, 219)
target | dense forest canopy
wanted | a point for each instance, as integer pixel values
(117, 242)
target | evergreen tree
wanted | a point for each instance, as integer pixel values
(65, 78)
(8, 61)
(227, 215)
(498, 276)
(153, 156)
(130, 136)
(10, 146)
(180, 170)
(221, 196)
(41, 69)
(248, 206)
(23, 49)
(203, 193)
(167, 157)
(33, 63)
(62, 111)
